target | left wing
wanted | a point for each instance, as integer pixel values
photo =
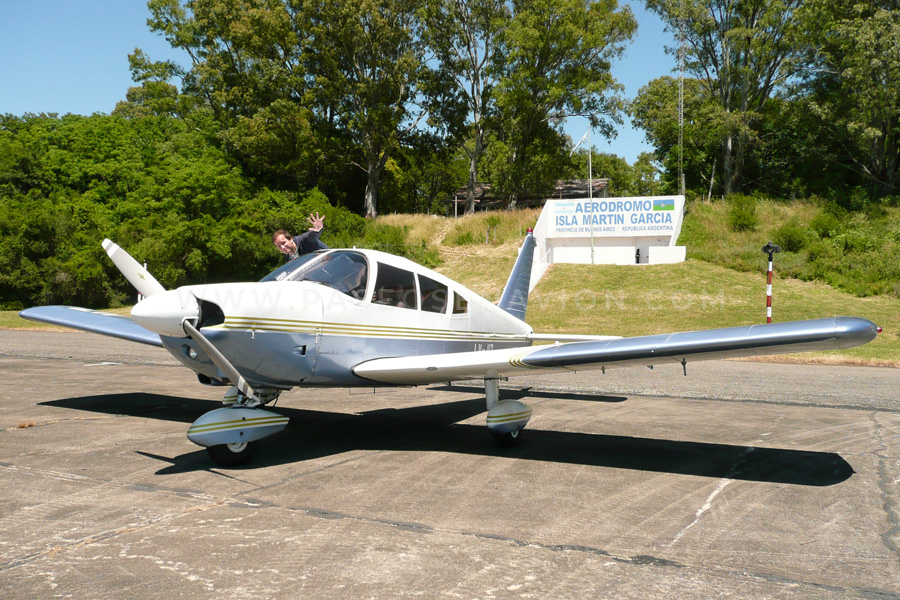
(117, 326)
(751, 340)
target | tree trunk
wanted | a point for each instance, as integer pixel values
(371, 197)
(727, 166)
(470, 186)
(373, 174)
(473, 169)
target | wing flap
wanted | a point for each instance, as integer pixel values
(732, 342)
(117, 326)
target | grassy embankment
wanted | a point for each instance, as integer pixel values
(649, 299)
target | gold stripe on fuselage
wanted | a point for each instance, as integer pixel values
(356, 330)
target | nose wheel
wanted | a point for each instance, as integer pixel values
(232, 455)
(510, 439)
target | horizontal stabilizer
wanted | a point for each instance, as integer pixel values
(116, 326)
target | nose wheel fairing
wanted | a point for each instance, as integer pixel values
(230, 434)
(235, 425)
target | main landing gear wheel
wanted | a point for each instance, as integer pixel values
(508, 440)
(232, 455)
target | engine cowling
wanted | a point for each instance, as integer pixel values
(164, 313)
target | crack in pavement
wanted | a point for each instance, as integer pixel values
(887, 487)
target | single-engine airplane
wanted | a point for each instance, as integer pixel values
(363, 318)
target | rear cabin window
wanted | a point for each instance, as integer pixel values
(460, 304)
(395, 287)
(434, 295)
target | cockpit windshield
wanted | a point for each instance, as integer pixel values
(344, 271)
(282, 272)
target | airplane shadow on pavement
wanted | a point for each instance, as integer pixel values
(314, 434)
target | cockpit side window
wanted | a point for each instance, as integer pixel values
(434, 295)
(344, 271)
(460, 304)
(395, 287)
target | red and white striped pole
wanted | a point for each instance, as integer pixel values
(769, 249)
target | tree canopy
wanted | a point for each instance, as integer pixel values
(782, 97)
(360, 107)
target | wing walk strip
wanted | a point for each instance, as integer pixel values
(330, 328)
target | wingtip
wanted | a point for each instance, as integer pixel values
(856, 330)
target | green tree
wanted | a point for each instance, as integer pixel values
(655, 110)
(156, 95)
(556, 57)
(250, 68)
(422, 176)
(742, 51)
(645, 175)
(463, 35)
(245, 54)
(513, 177)
(641, 179)
(854, 83)
(369, 67)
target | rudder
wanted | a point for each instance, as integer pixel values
(515, 295)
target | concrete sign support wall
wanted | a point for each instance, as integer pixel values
(608, 231)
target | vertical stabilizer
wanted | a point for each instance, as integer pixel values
(515, 294)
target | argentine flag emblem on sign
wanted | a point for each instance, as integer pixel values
(664, 204)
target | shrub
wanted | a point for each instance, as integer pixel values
(791, 236)
(465, 238)
(825, 224)
(742, 213)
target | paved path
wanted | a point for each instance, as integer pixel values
(634, 484)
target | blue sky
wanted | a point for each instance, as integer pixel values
(71, 56)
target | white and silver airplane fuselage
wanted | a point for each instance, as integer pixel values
(288, 331)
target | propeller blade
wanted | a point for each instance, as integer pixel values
(137, 275)
(220, 361)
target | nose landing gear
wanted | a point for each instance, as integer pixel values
(230, 434)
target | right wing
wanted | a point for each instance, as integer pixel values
(117, 326)
(732, 342)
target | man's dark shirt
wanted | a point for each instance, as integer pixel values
(307, 242)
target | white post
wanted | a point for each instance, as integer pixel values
(591, 190)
